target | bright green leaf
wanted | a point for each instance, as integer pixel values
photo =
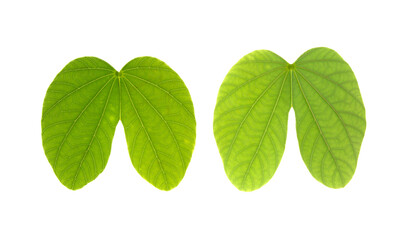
(80, 113)
(250, 118)
(87, 99)
(158, 117)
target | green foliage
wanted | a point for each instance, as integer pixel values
(251, 115)
(86, 100)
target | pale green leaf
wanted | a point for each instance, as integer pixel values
(87, 99)
(250, 119)
(330, 116)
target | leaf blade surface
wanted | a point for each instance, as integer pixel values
(79, 119)
(158, 117)
(330, 116)
(250, 118)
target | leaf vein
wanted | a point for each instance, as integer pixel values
(319, 128)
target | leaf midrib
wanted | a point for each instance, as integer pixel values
(71, 93)
(264, 134)
(230, 93)
(164, 121)
(249, 111)
(320, 130)
(75, 121)
(331, 81)
(334, 110)
(93, 137)
(165, 91)
(148, 136)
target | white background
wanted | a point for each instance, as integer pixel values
(201, 41)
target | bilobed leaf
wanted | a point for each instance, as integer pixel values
(87, 99)
(158, 117)
(250, 119)
(80, 113)
(330, 116)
